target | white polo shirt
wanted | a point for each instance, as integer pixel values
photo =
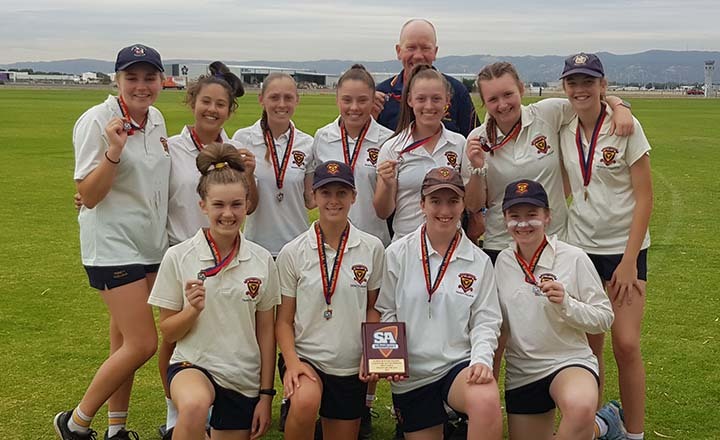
(601, 224)
(544, 337)
(184, 214)
(534, 154)
(128, 225)
(449, 152)
(223, 339)
(275, 223)
(465, 313)
(328, 145)
(333, 345)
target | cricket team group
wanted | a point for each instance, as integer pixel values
(522, 237)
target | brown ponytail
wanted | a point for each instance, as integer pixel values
(219, 164)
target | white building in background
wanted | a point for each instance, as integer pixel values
(709, 70)
(253, 75)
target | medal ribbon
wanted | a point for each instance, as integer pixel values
(281, 167)
(329, 281)
(529, 268)
(586, 162)
(196, 139)
(126, 116)
(220, 262)
(417, 144)
(351, 160)
(491, 132)
(432, 287)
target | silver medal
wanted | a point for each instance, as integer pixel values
(280, 196)
(127, 126)
(537, 291)
(327, 314)
(201, 276)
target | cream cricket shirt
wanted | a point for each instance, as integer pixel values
(333, 345)
(449, 152)
(274, 223)
(543, 336)
(534, 154)
(184, 214)
(601, 224)
(328, 145)
(465, 318)
(223, 338)
(128, 225)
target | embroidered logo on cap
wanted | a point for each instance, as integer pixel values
(580, 59)
(608, 155)
(541, 144)
(521, 188)
(444, 173)
(138, 51)
(253, 286)
(333, 168)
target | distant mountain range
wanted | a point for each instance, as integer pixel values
(644, 67)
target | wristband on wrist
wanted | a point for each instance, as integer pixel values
(114, 162)
(268, 392)
(369, 397)
(478, 171)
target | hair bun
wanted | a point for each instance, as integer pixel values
(358, 66)
(219, 69)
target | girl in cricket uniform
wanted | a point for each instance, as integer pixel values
(217, 293)
(420, 142)
(330, 276)
(283, 171)
(212, 99)
(355, 138)
(515, 142)
(443, 287)
(612, 200)
(550, 296)
(122, 168)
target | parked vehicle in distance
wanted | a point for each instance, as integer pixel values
(173, 83)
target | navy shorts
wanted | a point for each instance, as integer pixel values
(535, 398)
(110, 277)
(231, 410)
(425, 407)
(606, 265)
(343, 397)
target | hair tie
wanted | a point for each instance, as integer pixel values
(219, 75)
(217, 166)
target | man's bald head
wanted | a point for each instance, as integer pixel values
(418, 25)
(417, 45)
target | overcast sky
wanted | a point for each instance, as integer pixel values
(44, 30)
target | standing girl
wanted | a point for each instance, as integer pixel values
(420, 142)
(355, 138)
(121, 172)
(608, 218)
(283, 170)
(212, 99)
(550, 297)
(518, 142)
(443, 287)
(330, 277)
(217, 293)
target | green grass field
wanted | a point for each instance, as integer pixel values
(53, 326)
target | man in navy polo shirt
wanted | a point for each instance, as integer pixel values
(418, 45)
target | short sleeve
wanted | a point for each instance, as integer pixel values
(168, 290)
(555, 111)
(90, 143)
(270, 295)
(287, 272)
(637, 145)
(378, 259)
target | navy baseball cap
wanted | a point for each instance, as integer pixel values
(585, 63)
(442, 178)
(525, 191)
(333, 171)
(138, 53)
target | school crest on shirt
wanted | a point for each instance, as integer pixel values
(608, 155)
(373, 154)
(547, 277)
(359, 272)
(253, 286)
(298, 158)
(521, 188)
(466, 282)
(165, 146)
(451, 157)
(541, 144)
